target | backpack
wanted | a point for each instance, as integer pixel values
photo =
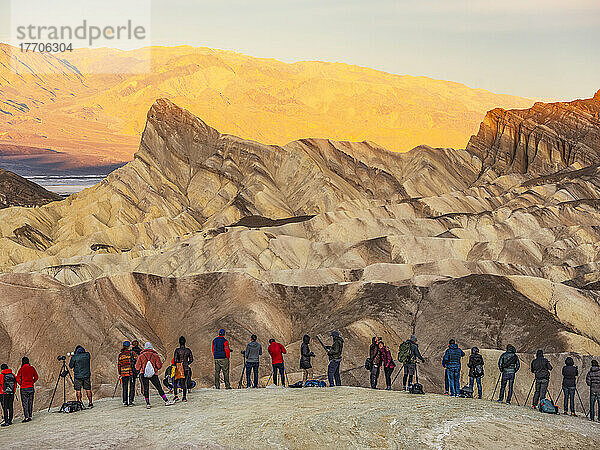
(70, 407)
(9, 383)
(546, 406)
(466, 392)
(416, 388)
(404, 352)
(315, 383)
(478, 371)
(369, 364)
(149, 370)
(296, 385)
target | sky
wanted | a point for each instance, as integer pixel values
(533, 48)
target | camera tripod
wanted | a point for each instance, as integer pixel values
(64, 371)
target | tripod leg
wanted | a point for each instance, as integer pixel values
(581, 401)
(241, 383)
(269, 380)
(55, 388)
(496, 387)
(530, 389)
(115, 391)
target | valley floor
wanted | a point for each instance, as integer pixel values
(342, 417)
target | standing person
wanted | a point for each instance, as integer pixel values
(80, 363)
(276, 350)
(183, 356)
(135, 353)
(509, 365)
(253, 352)
(126, 374)
(334, 352)
(541, 368)
(305, 355)
(592, 379)
(26, 377)
(451, 361)
(375, 357)
(388, 364)
(148, 364)
(410, 365)
(475, 366)
(8, 387)
(569, 384)
(221, 352)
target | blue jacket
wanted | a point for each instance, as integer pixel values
(451, 359)
(220, 347)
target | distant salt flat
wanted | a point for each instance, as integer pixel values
(68, 184)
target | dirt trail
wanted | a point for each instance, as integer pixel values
(342, 417)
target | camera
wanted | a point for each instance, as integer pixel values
(61, 357)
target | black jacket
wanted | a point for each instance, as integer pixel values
(184, 355)
(305, 353)
(509, 361)
(414, 353)
(569, 374)
(475, 359)
(541, 367)
(335, 351)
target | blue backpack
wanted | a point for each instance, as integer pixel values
(546, 406)
(315, 383)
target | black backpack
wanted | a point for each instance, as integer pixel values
(70, 407)
(369, 364)
(9, 383)
(416, 387)
(466, 392)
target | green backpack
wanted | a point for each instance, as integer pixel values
(404, 352)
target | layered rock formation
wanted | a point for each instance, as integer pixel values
(205, 230)
(17, 191)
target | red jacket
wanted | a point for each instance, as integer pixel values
(4, 372)
(276, 350)
(27, 376)
(145, 356)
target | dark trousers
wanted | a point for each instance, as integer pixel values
(541, 388)
(7, 407)
(128, 389)
(281, 369)
(569, 394)
(27, 402)
(594, 399)
(374, 376)
(182, 381)
(446, 382)
(252, 366)
(509, 378)
(146, 386)
(409, 372)
(454, 380)
(388, 376)
(472, 383)
(333, 372)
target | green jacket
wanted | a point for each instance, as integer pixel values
(335, 351)
(80, 363)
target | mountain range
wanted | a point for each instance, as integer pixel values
(494, 244)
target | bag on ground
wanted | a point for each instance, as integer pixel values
(70, 407)
(296, 385)
(315, 383)
(149, 370)
(546, 406)
(416, 388)
(466, 392)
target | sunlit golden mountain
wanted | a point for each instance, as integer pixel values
(61, 103)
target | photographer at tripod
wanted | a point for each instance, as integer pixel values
(80, 363)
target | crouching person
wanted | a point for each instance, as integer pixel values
(148, 364)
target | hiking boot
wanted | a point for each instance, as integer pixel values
(170, 402)
(498, 401)
(175, 399)
(5, 424)
(573, 414)
(90, 405)
(566, 413)
(148, 406)
(184, 400)
(508, 403)
(389, 388)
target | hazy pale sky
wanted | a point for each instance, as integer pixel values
(533, 48)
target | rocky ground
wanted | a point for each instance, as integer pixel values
(341, 417)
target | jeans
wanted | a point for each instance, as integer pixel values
(388, 376)
(27, 401)
(333, 372)
(146, 387)
(541, 388)
(569, 394)
(454, 380)
(374, 376)
(281, 369)
(507, 377)
(250, 366)
(446, 382)
(7, 407)
(472, 381)
(184, 381)
(594, 399)
(222, 364)
(409, 371)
